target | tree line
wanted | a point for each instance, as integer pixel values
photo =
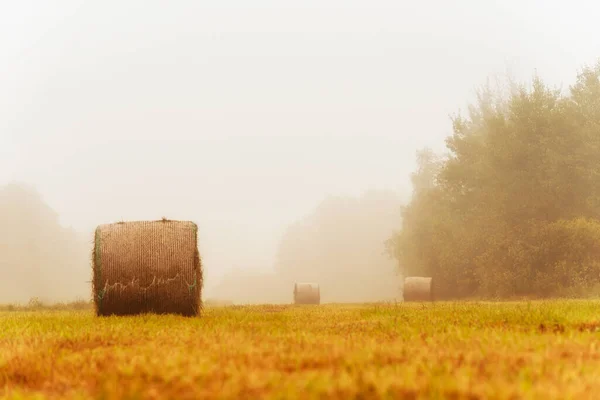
(512, 208)
(39, 257)
(337, 245)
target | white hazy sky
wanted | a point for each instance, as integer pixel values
(242, 115)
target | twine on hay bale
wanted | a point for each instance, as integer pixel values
(147, 267)
(418, 289)
(307, 293)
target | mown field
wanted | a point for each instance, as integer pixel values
(545, 350)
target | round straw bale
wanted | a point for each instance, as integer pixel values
(307, 293)
(147, 267)
(418, 289)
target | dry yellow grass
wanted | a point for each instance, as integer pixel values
(515, 350)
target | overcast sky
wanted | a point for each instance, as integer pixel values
(244, 117)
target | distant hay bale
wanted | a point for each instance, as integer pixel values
(418, 289)
(147, 267)
(307, 293)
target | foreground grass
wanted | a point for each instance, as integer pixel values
(445, 350)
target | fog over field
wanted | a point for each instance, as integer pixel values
(259, 120)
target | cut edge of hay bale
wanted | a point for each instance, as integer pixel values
(96, 271)
(99, 286)
(418, 288)
(307, 293)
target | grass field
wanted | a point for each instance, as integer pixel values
(545, 350)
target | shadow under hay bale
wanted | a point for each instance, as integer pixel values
(307, 293)
(418, 289)
(147, 267)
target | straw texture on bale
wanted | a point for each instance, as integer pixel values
(307, 293)
(418, 289)
(147, 267)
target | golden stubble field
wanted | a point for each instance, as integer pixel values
(537, 350)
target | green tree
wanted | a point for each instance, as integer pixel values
(521, 170)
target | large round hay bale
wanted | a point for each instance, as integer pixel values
(307, 293)
(147, 267)
(418, 289)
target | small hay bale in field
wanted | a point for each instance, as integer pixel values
(147, 267)
(307, 293)
(418, 289)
